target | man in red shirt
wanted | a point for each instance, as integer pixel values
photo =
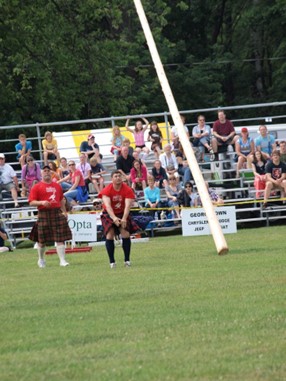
(52, 225)
(223, 132)
(117, 200)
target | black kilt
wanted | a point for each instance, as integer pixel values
(107, 223)
(51, 226)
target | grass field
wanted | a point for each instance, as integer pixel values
(180, 313)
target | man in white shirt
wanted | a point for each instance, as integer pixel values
(8, 180)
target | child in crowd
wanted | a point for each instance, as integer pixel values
(138, 175)
(95, 174)
(138, 133)
(155, 136)
(116, 142)
(50, 147)
(30, 175)
(24, 148)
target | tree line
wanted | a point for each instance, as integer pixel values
(74, 59)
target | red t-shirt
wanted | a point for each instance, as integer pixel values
(47, 192)
(117, 198)
(223, 129)
(81, 180)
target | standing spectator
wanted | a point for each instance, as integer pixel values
(84, 167)
(3, 238)
(8, 180)
(275, 176)
(116, 142)
(50, 147)
(24, 148)
(138, 133)
(95, 174)
(172, 191)
(124, 163)
(175, 136)
(155, 136)
(187, 197)
(152, 196)
(160, 175)
(202, 137)
(258, 168)
(30, 175)
(265, 143)
(244, 149)
(282, 146)
(138, 175)
(169, 161)
(52, 225)
(78, 191)
(223, 133)
(117, 200)
(90, 148)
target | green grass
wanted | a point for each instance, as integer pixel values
(180, 313)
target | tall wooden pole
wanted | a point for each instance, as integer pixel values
(215, 228)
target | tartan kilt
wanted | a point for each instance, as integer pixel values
(107, 223)
(51, 226)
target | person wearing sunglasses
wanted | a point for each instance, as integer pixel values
(187, 197)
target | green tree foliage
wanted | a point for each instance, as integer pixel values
(74, 59)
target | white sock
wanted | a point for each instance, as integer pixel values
(41, 252)
(61, 252)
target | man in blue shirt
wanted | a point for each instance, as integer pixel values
(265, 143)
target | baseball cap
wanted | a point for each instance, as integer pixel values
(46, 167)
(90, 136)
(2, 155)
(244, 129)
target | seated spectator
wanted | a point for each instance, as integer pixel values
(172, 191)
(95, 174)
(244, 149)
(202, 137)
(152, 197)
(24, 148)
(265, 143)
(215, 198)
(84, 167)
(187, 197)
(124, 163)
(50, 147)
(55, 171)
(138, 176)
(30, 175)
(3, 238)
(223, 133)
(160, 175)
(137, 154)
(63, 173)
(183, 168)
(126, 143)
(8, 180)
(89, 148)
(175, 136)
(282, 151)
(155, 136)
(275, 176)
(78, 191)
(169, 161)
(116, 142)
(258, 168)
(138, 133)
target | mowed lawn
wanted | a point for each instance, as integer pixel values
(180, 313)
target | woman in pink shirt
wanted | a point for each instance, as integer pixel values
(138, 133)
(138, 175)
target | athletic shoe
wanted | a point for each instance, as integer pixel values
(64, 263)
(113, 265)
(41, 263)
(127, 264)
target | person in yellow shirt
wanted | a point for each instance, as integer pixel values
(50, 147)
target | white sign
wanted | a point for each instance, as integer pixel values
(195, 222)
(83, 227)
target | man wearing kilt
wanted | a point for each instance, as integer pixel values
(52, 225)
(117, 200)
